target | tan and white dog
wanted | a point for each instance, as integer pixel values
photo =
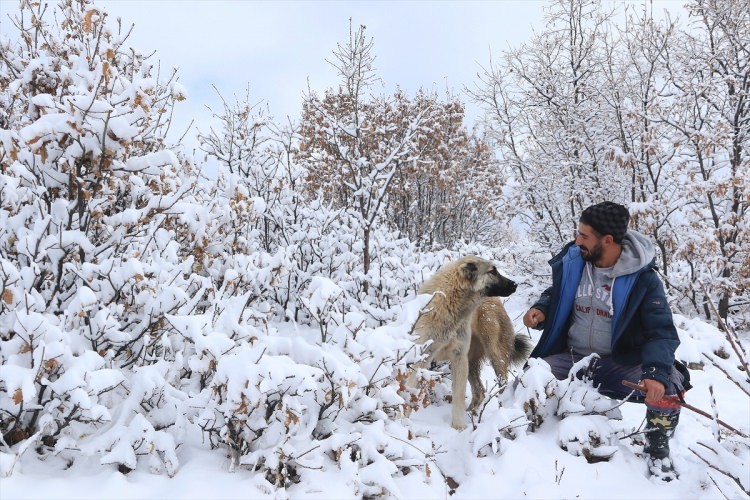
(467, 325)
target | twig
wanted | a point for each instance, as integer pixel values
(688, 406)
(428, 456)
(713, 480)
(716, 468)
(726, 372)
(728, 333)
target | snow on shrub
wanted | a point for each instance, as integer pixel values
(544, 398)
(98, 231)
(273, 396)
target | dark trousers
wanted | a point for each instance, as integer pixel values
(607, 377)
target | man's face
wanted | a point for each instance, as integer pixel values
(589, 242)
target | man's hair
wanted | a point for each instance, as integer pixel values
(607, 218)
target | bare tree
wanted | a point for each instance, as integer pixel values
(547, 117)
(351, 149)
(243, 133)
(447, 190)
(711, 121)
(641, 146)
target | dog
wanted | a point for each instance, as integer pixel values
(468, 324)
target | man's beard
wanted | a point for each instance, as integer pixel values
(592, 255)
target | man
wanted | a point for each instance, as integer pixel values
(606, 298)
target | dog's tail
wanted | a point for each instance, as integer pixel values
(521, 350)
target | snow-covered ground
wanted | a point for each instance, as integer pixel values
(479, 462)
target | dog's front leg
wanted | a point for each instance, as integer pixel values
(460, 374)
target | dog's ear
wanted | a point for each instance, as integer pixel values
(469, 271)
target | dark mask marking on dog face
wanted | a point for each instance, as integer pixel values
(503, 288)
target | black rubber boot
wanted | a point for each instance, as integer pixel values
(659, 429)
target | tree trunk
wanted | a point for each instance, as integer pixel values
(366, 257)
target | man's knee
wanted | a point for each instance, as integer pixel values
(560, 364)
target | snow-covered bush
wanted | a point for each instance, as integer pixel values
(97, 231)
(272, 394)
(133, 292)
(567, 402)
(536, 392)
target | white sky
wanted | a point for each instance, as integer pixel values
(276, 47)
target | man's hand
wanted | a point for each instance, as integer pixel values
(533, 317)
(654, 389)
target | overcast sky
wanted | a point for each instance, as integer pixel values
(277, 47)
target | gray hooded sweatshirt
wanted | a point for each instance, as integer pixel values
(591, 326)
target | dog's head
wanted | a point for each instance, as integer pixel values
(484, 278)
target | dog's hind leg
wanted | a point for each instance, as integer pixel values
(475, 381)
(498, 352)
(501, 370)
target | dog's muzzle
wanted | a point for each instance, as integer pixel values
(502, 289)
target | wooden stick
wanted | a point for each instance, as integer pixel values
(641, 388)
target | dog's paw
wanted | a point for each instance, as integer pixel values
(459, 425)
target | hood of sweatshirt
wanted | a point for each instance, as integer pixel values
(637, 252)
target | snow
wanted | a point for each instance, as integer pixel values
(497, 457)
(122, 128)
(18, 378)
(164, 335)
(152, 163)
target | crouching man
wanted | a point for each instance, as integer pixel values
(606, 298)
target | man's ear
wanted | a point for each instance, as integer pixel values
(469, 270)
(608, 239)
